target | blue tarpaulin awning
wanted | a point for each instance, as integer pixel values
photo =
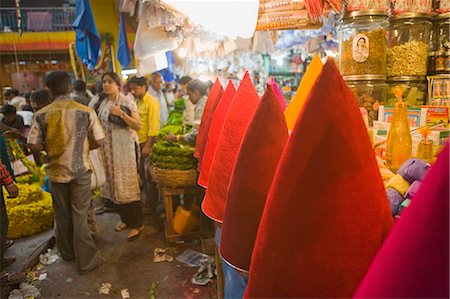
(87, 38)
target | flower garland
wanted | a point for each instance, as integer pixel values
(37, 172)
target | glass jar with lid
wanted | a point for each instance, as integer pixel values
(364, 5)
(441, 32)
(408, 44)
(362, 37)
(415, 90)
(370, 92)
(416, 6)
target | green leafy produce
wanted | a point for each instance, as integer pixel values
(175, 155)
(175, 118)
(174, 129)
(179, 105)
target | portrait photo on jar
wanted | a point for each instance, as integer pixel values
(360, 48)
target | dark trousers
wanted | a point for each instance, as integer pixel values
(150, 199)
(131, 214)
(73, 237)
(3, 228)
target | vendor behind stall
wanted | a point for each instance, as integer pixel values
(196, 91)
(12, 119)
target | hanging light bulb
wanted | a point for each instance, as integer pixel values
(182, 52)
(213, 14)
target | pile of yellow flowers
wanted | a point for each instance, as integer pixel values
(31, 212)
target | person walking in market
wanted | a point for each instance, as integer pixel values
(66, 130)
(6, 180)
(119, 117)
(148, 107)
(196, 91)
(155, 89)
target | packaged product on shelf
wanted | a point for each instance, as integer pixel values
(370, 92)
(405, 6)
(415, 90)
(408, 43)
(439, 62)
(363, 43)
(444, 6)
(447, 61)
(363, 5)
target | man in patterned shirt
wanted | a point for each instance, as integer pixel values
(66, 130)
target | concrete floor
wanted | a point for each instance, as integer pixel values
(129, 265)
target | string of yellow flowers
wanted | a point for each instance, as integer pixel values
(18, 154)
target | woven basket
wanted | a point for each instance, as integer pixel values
(173, 177)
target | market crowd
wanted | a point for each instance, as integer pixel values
(68, 124)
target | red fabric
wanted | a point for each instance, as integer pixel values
(255, 167)
(238, 117)
(413, 261)
(326, 213)
(215, 94)
(214, 134)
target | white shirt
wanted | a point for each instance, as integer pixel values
(27, 117)
(18, 102)
(164, 111)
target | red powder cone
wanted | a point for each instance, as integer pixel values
(239, 115)
(326, 213)
(278, 93)
(214, 133)
(413, 261)
(215, 94)
(255, 167)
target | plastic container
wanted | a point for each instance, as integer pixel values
(415, 93)
(399, 141)
(417, 6)
(185, 221)
(364, 5)
(363, 43)
(408, 43)
(370, 92)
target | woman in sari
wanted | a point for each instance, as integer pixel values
(121, 156)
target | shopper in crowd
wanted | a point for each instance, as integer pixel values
(27, 111)
(40, 98)
(183, 82)
(155, 89)
(196, 91)
(66, 130)
(79, 93)
(148, 107)
(12, 119)
(121, 153)
(189, 110)
(96, 97)
(27, 106)
(16, 100)
(7, 96)
(6, 180)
